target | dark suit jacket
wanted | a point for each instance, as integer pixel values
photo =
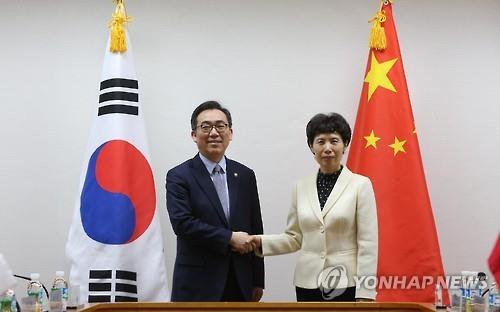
(203, 233)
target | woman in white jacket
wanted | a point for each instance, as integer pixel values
(332, 222)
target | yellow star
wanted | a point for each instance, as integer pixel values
(371, 140)
(377, 76)
(398, 146)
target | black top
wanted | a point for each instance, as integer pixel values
(325, 183)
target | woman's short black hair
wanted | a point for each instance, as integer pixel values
(207, 106)
(328, 123)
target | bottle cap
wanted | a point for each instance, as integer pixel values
(35, 276)
(469, 273)
(60, 273)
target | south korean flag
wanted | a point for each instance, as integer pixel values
(115, 243)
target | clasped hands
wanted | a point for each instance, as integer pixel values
(243, 243)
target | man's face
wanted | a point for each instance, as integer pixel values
(212, 144)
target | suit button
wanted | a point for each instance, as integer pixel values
(322, 229)
(322, 255)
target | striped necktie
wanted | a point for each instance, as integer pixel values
(220, 187)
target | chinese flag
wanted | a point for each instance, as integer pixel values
(494, 261)
(385, 149)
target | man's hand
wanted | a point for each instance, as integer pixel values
(240, 242)
(257, 293)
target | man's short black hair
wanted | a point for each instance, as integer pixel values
(206, 106)
(328, 123)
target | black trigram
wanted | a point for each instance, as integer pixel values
(112, 286)
(119, 96)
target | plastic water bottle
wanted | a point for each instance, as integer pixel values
(61, 284)
(455, 292)
(35, 290)
(13, 305)
(5, 303)
(494, 298)
(479, 303)
(8, 301)
(468, 284)
(13, 302)
(463, 293)
(438, 297)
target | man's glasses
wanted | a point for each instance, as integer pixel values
(220, 127)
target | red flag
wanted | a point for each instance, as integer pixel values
(385, 148)
(494, 261)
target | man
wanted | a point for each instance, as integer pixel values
(213, 204)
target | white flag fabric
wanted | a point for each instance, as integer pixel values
(115, 242)
(6, 277)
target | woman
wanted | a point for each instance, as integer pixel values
(333, 222)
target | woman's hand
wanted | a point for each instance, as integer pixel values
(255, 241)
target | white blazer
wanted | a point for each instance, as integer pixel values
(344, 233)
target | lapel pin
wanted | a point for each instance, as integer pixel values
(235, 174)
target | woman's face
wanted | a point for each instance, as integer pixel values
(328, 149)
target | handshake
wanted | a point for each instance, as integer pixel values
(243, 243)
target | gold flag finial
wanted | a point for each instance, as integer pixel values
(377, 34)
(118, 40)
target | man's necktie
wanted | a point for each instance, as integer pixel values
(220, 187)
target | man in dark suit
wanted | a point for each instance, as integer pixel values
(213, 205)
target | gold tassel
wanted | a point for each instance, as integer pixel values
(377, 34)
(118, 40)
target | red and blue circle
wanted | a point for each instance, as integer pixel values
(118, 197)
